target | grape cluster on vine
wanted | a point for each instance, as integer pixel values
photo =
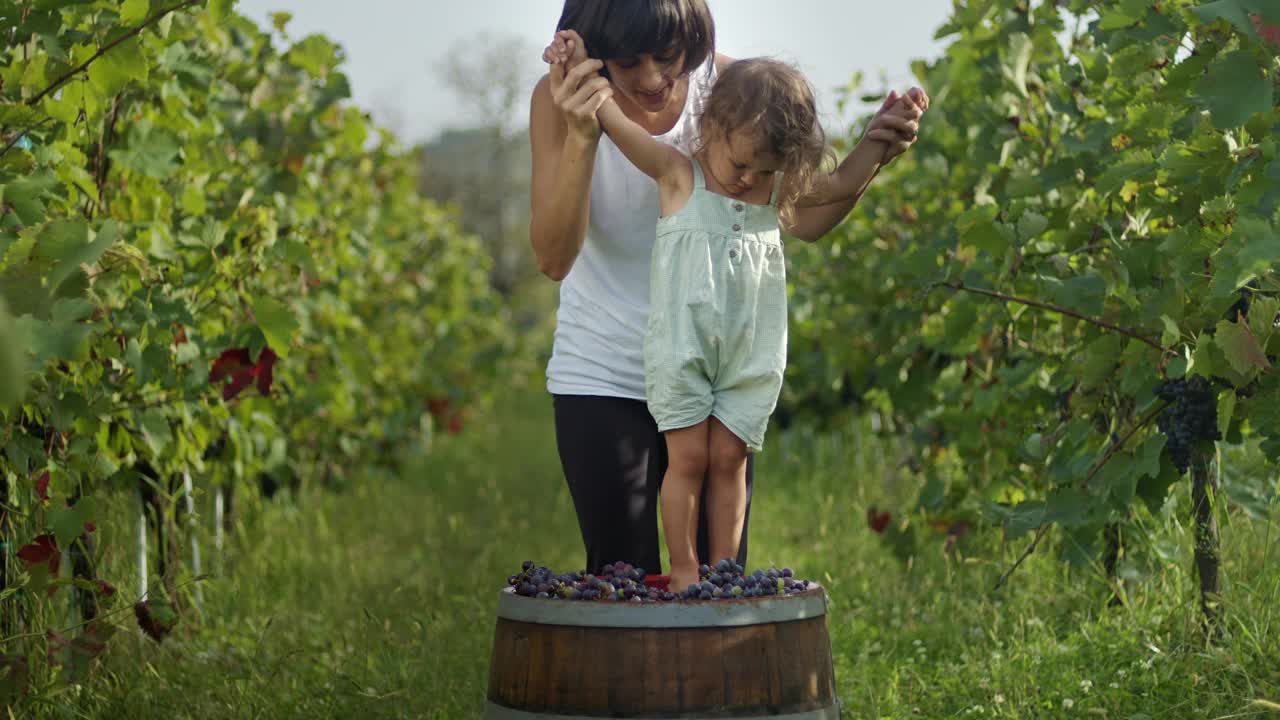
(623, 582)
(1191, 417)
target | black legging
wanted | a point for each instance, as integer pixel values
(614, 459)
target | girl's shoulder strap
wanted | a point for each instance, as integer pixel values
(699, 180)
(773, 190)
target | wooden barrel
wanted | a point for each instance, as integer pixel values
(755, 657)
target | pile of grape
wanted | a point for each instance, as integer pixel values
(1192, 416)
(624, 582)
(619, 581)
(728, 581)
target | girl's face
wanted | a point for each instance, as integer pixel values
(647, 80)
(739, 164)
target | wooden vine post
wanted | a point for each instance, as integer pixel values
(1203, 500)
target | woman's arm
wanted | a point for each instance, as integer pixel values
(658, 160)
(564, 134)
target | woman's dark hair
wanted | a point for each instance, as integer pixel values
(622, 29)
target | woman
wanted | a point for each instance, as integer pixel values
(592, 229)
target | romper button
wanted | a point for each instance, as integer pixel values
(736, 227)
(737, 206)
(733, 253)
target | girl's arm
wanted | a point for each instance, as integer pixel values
(660, 161)
(890, 134)
(849, 180)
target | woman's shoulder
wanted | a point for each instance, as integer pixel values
(541, 89)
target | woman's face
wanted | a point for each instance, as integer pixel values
(647, 80)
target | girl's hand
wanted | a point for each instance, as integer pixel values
(577, 87)
(566, 47)
(897, 122)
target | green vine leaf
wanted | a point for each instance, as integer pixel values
(1237, 87)
(1241, 348)
(277, 323)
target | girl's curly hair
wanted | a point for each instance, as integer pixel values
(772, 99)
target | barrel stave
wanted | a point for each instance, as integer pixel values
(736, 671)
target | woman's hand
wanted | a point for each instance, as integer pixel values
(897, 122)
(577, 88)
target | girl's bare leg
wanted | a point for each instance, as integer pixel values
(727, 494)
(681, 487)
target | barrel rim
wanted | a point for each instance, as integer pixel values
(678, 614)
(498, 711)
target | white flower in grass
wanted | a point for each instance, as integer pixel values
(1121, 672)
(1086, 686)
(1068, 703)
(1114, 686)
(998, 699)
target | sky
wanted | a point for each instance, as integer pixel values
(394, 48)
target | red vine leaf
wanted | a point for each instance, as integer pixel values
(878, 520)
(15, 677)
(42, 487)
(42, 550)
(155, 617)
(438, 406)
(1269, 33)
(265, 370)
(235, 366)
(76, 655)
(229, 362)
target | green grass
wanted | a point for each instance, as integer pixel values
(378, 602)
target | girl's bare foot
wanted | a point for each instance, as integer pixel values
(682, 579)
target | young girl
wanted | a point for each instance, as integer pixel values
(715, 350)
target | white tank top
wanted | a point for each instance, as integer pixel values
(604, 300)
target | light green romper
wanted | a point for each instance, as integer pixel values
(717, 336)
